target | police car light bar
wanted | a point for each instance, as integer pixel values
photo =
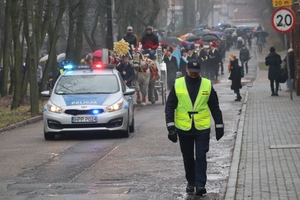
(68, 67)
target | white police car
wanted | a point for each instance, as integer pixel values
(86, 99)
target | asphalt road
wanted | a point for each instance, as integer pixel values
(144, 166)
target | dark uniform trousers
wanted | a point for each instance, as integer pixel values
(187, 142)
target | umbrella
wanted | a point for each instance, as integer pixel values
(192, 38)
(61, 57)
(230, 30)
(183, 37)
(44, 58)
(261, 33)
(199, 33)
(171, 40)
(210, 37)
(220, 34)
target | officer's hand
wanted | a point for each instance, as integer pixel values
(172, 134)
(219, 131)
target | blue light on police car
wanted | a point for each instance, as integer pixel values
(66, 67)
(95, 111)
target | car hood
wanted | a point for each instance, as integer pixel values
(85, 99)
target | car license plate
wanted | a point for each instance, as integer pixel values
(89, 119)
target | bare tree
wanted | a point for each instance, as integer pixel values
(6, 47)
(76, 27)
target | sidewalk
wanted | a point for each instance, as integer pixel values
(266, 157)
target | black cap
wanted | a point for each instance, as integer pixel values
(194, 66)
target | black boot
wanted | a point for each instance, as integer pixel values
(190, 188)
(200, 191)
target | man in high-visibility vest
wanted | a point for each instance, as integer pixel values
(189, 106)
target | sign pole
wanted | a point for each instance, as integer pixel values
(288, 65)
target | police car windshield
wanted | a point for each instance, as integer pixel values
(87, 84)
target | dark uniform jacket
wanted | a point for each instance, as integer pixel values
(193, 87)
(273, 60)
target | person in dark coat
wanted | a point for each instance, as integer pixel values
(244, 57)
(191, 54)
(215, 61)
(149, 43)
(183, 62)
(290, 83)
(172, 68)
(203, 61)
(190, 104)
(126, 71)
(273, 60)
(235, 76)
(130, 38)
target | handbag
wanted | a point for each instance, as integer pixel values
(242, 71)
(282, 75)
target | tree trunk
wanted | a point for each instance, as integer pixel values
(79, 31)
(53, 37)
(30, 35)
(6, 47)
(15, 13)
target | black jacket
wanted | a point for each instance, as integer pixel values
(128, 76)
(131, 39)
(244, 54)
(235, 75)
(182, 66)
(193, 87)
(214, 57)
(273, 60)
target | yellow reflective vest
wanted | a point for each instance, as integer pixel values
(186, 111)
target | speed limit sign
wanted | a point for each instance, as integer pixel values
(283, 20)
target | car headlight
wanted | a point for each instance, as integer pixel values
(115, 107)
(54, 108)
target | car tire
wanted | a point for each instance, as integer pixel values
(49, 136)
(126, 132)
(131, 127)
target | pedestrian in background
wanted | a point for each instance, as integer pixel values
(215, 61)
(149, 43)
(183, 62)
(131, 38)
(126, 70)
(290, 82)
(172, 67)
(188, 110)
(273, 60)
(235, 76)
(244, 57)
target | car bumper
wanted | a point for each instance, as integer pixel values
(61, 123)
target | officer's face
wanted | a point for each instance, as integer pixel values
(192, 74)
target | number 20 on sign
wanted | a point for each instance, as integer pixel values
(283, 20)
(282, 3)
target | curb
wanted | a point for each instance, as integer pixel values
(28, 121)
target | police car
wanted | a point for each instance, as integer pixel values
(87, 99)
